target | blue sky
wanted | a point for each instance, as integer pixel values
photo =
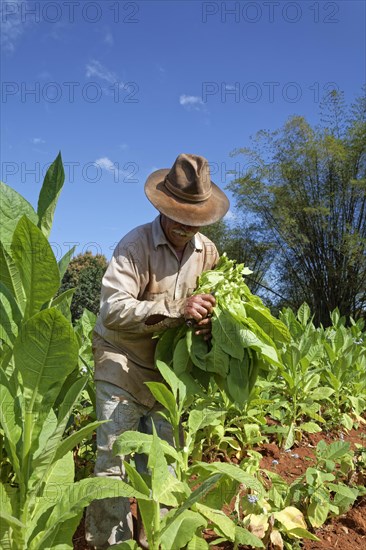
(121, 88)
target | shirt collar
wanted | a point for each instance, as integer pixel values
(159, 237)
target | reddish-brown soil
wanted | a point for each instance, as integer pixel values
(346, 532)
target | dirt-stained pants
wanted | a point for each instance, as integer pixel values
(109, 521)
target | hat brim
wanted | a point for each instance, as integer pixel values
(188, 213)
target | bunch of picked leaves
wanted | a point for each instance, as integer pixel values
(244, 336)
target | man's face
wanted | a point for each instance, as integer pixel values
(177, 233)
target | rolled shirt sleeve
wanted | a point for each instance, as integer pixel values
(121, 309)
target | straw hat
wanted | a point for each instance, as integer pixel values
(185, 192)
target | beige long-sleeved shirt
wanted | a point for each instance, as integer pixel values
(144, 279)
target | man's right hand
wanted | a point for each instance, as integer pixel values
(199, 306)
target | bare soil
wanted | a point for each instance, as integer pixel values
(346, 532)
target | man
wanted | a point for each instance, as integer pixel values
(148, 287)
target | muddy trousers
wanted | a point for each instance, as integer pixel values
(109, 521)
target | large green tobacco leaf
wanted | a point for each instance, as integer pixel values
(197, 349)
(245, 537)
(63, 303)
(10, 277)
(10, 520)
(65, 260)
(136, 479)
(165, 345)
(217, 361)
(178, 387)
(197, 543)
(37, 265)
(45, 352)
(164, 485)
(318, 510)
(87, 323)
(333, 451)
(56, 527)
(223, 524)
(181, 357)
(12, 208)
(58, 478)
(232, 471)
(49, 194)
(6, 518)
(7, 362)
(304, 314)
(45, 437)
(274, 328)
(10, 420)
(199, 419)
(238, 380)
(10, 316)
(50, 447)
(181, 530)
(198, 494)
(251, 340)
(70, 398)
(163, 395)
(146, 507)
(138, 442)
(226, 330)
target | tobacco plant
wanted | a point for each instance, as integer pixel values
(344, 370)
(40, 383)
(194, 492)
(323, 490)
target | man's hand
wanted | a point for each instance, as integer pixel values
(199, 306)
(203, 328)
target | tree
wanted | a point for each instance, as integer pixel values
(85, 273)
(307, 188)
(240, 241)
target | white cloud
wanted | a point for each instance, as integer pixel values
(11, 24)
(190, 100)
(128, 172)
(106, 164)
(95, 68)
(37, 141)
(108, 38)
(192, 103)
